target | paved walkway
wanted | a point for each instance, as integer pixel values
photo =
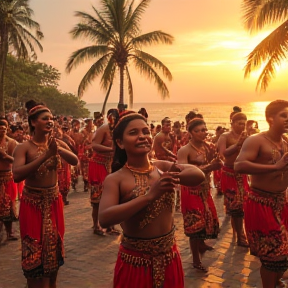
(90, 258)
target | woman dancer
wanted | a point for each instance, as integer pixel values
(140, 195)
(199, 212)
(41, 211)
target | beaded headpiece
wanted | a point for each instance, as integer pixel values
(127, 114)
(38, 108)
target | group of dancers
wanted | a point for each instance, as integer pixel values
(133, 175)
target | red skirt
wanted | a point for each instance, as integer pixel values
(235, 188)
(64, 178)
(266, 224)
(42, 231)
(99, 168)
(199, 212)
(8, 195)
(152, 263)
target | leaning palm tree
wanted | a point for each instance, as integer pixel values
(273, 49)
(117, 42)
(19, 35)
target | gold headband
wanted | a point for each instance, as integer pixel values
(128, 115)
(37, 109)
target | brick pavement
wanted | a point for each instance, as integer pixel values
(89, 260)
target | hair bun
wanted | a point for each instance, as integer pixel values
(30, 104)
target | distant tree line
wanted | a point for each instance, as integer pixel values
(25, 80)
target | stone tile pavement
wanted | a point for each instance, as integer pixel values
(89, 260)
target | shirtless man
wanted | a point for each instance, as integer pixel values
(264, 156)
(100, 167)
(88, 133)
(8, 189)
(233, 185)
(164, 142)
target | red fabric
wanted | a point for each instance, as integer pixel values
(129, 276)
(64, 177)
(199, 212)
(20, 186)
(266, 225)
(217, 178)
(97, 172)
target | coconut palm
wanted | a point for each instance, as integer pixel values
(16, 36)
(273, 49)
(116, 42)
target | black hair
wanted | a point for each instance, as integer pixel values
(195, 122)
(120, 156)
(29, 105)
(274, 107)
(237, 109)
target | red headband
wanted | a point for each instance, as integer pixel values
(37, 109)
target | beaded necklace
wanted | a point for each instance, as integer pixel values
(200, 151)
(276, 150)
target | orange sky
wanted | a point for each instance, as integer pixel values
(206, 59)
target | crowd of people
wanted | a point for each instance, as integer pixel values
(138, 175)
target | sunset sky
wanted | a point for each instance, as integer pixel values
(206, 58)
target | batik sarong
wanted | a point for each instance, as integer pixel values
(64, 178)
(266, 224)
(8, 195)
(199, 212)
(149, 263)
(42, 231)
(235, 188)
(99, 168)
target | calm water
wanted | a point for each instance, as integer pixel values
(214, 113)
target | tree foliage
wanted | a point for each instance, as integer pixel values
(114, 32)
(19, 35)
(25, 80)
(271, 51)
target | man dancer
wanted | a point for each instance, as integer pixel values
(100, 167)
(78, 138)
(234, 185)
(8, 189)
(87, 151)
(164, 142)
(264, 156)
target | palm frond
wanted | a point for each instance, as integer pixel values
(133, 18)
(145, 69)
(258, 13)
(87, 53)
(130, 88)
(108, 74)
(154, 37)
(86, 31)
(154, 62)
(95, 70)
(273, 50)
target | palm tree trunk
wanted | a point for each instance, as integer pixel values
(3, 58)
(106, 99)
(121, 96)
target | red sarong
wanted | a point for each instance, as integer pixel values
(8, 195)
(217, 178)
(266, 225)
(20, 187)
(99, 168)
(64, 178)
(42, 231)
(150, 263)
(235, 188)
(199, 212)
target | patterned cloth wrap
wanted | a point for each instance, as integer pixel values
(8, 194)
(266, 225)
(42, 231)
(199, 212)
(235, 188)
(149, 263)
(99, 168)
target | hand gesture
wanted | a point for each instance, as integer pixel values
(282, 164)
(52, 147)
(166, 182)
(243, 136)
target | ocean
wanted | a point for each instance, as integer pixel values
(214, 113)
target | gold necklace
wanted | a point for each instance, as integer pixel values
(140, 170)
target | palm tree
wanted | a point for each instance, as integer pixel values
(273, 49)
(117, 42)
(16, 28)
